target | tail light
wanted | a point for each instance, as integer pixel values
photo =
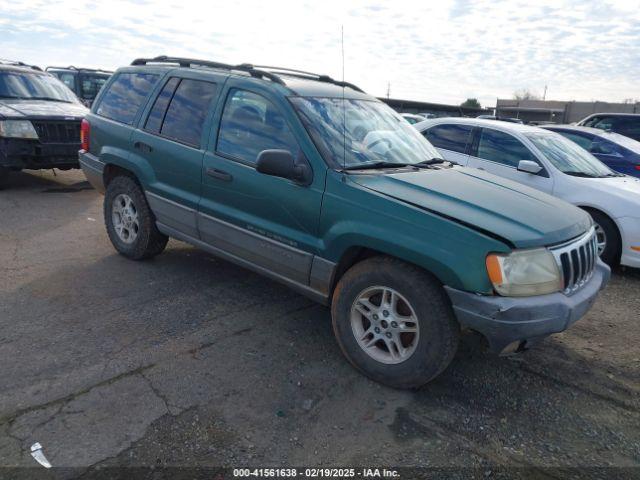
(637, 167)
(85, 130)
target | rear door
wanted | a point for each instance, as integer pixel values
(500, 152)
(267, 221)
(452, 141)
(170, 141)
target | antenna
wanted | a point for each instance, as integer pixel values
(344, 107)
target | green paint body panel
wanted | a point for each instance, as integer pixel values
(445, 221)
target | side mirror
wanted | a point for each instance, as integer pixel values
(529, 166)
(280, 163)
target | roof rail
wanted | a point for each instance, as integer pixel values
(19, 64)
(257, 71)
(314, 76)
(71, 67)
(191, 62)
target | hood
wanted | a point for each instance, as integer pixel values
(519, 215)
(620, 194)
(33, 109)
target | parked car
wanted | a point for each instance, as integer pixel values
(412, 118)
(258, 166)
(549, 162)
(39, 121)
(84, 82)
(627, 124)
(618, 152)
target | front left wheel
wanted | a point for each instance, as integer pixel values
(394, 322)
(130, 223)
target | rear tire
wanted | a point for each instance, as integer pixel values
(4, 177)
(383, 342)
(607, 231)
(130, 223)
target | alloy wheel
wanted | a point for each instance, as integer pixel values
(125, 218)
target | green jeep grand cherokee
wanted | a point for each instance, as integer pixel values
(313, 183)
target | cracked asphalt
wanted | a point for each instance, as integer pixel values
(187, 360)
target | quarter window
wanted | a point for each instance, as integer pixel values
(125, 96)
(502, 148)
(449, 137)
(154, 120)
(250, 124)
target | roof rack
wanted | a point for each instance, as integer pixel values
(71, 67)
(256, 71)
(313, 76)
(19, 64)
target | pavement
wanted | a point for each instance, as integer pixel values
(188, 360)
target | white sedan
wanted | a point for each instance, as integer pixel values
(549, 162)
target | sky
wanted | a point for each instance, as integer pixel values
(440, 51)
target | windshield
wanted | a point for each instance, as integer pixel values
(91, 83)
(351, 133)
(34, 86)
(569, 157)
(626, 142)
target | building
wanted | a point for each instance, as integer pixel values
(544, 111)
(435, 109)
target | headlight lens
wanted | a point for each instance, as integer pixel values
(17, 129)
(524, 273)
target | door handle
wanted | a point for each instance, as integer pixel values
(219, 174)
(144, 147)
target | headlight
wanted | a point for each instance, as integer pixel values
(17, 129)
(524, 273)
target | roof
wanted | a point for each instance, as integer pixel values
(21, 69)
(78, 69)
(576, 128)
(481, 122)
(297, 81)
(612, 114)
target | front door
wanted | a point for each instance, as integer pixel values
(499, 153)
(267, 221)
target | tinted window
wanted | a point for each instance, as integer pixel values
(125, 96)
(187, 111)
(154, 120)
(449, 137)
(628, 126)
(502, 148)
(251, 123)
(605, 147)
(68, 79)
(90, 85)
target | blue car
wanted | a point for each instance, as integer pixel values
(618, 152)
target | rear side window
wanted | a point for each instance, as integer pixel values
(449, 137)
(125, 96)
(502, 148)
(250, 124)
(187, 111)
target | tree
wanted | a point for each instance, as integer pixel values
(525, 94)
(471, 103)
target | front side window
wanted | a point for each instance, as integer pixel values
(449, 137)
(353, 133)
(250, 124)
(500, 147)
(568, 157)
(188, 110)
(605, 147)
(34, 86)
(125, 96)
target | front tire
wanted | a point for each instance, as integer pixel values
(394, 322)
(608, 238)
(130, 223)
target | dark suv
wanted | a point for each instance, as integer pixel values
(39, 121)
(84, 82)
(314, 183)
(627, 124)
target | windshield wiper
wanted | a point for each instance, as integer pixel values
(431, 161)
(52, 99)
(581, 174)
(375, 165)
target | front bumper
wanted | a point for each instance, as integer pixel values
(630, 233)
(19, 153)
(505, 320)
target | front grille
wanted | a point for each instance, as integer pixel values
(58, 132)
(577, 260)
